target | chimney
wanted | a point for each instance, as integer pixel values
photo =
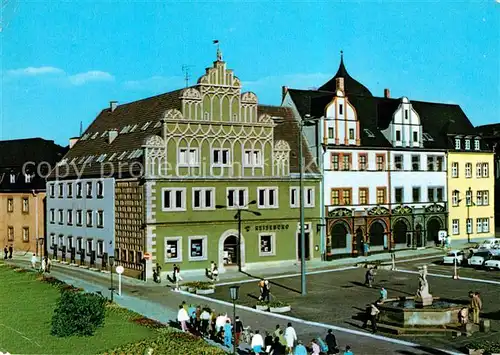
(387, 93)
(284, 90)
(72, 141)
(112, 134)
(340, 84)
(113, 105)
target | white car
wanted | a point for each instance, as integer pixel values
(453, 255)
(493, 263)
(479, 258)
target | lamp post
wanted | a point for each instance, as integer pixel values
(238, 217)
(233, 293)
(111, 264)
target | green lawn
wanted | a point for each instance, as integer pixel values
(26, 308)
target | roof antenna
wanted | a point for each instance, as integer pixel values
(187, 76)
(81, 128)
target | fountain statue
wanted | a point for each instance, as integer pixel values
(423, 297)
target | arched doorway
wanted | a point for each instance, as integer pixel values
(230, 251)
(338, 235)
(377, 231)
(359, 241)
(230, 248)
(399, 230)
(419, 238)
(433, 228)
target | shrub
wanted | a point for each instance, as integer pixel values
(78, 314)
(147, 322)
(489, 347)
(205, 285)
(278, 304)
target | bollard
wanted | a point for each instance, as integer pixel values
(484, 325)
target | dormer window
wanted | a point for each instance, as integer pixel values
(415, 136)
(341, 109)
(398, 136)
(351, 133)
(467, 144)
(369, 133)
(27, 178)
(457, 143)
(330, 133)
(427, 137)
(406, 114)
(477, 146)
(12, 178)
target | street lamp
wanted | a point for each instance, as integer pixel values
(233, 293)
(238, 217)
(468, 203)
(111, 264)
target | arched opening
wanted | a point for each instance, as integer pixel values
(377, 234)
(419, 238)
(400, 229)
(433, 227)
(338, 236)
(231, 253)
(359, 240)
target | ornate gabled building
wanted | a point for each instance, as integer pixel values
(182, 166)
(384, 164)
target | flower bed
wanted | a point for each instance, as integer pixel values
(262, 306)
(483, 347)
(279, 307)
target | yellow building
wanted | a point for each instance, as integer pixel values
(470, 190)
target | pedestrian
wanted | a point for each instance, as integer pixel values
(6, 252)
(177, 277)
(476, 305)
(266, 291)
(300, 349)
(371, 315)
(277, 331)
(290, 337)
(10, 251)
(228, 332)
(192, 314)
(197, 318)
(463, 316)
(261, 289)
(238, 329)
(348, 350)
(183, 318)
(278, 348)
(257, 343)
(268, 342)
(48, 264)
(43, 266)
(33, 261)
(331, 342)
(205, 321)
(220, 321)
(209, 271)
(383, 294)
(448, 242)
(315, 348)
(322, 345)
(366, 248)
(370, 277)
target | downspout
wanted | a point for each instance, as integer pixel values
(36, 219)
(320, 156)
(389, 197)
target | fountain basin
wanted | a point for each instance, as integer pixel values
(405, 312)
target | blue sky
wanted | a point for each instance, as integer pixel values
(62, 62)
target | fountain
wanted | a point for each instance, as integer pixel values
(406, 314)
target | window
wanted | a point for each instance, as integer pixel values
(341, 110)
(253, 158)
(330, 133)
(237, 197)
(406, 114)
(477, 146)
(454, 198)
(435, 194)
(100, 189)
(294, 197)
(335, 197)
(439, 194)
(398, 162)
(79, 243)
(267, 197)
(455, 226)
(468, 197)
(351, 133)
(309, 197)
(26, 205)
(174, 199)
(220, 157)
(267, 244)
(51, 190)
(454, 169)
(173, 249)
(369, 133)
(415, 162)
(457, 143)
(203, 198)
(479, 170)
(69, 189)
(10, 205)
(468, 225)
(131, 256)
(335, 162)
(124, 255)
(362, 162)
(100, 248)
(198, 248)
(363, 196)
(70, 217)
(12, 178)
(90, 245)
(346, 196)
(346, 162)
(71, 244)
(427, 137)
(60, 216)
(78, 190)
(416, 194)
(89, 218)
(415, 136)
(188, 157)
(60, 188)
(482, 198)
(467, 144)
(439, 163)
(430, 162)
(381, 195)
(27, 178)
(10, 233)
(399, 194)
(89, 189)
(468, 170)
(52, 215)
(483, 225)
(398, 136)
(485, 170)
(341, 197)
(100, 219)
(60, 240)
(430, 194)
(79, 218)
(380, 158)
(486, 225)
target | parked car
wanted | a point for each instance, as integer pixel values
(493, 263)
(453, 255)
(492, 243)
(479, 258)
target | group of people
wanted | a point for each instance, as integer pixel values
(8, 252)
(45, 265)
(213, 272)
